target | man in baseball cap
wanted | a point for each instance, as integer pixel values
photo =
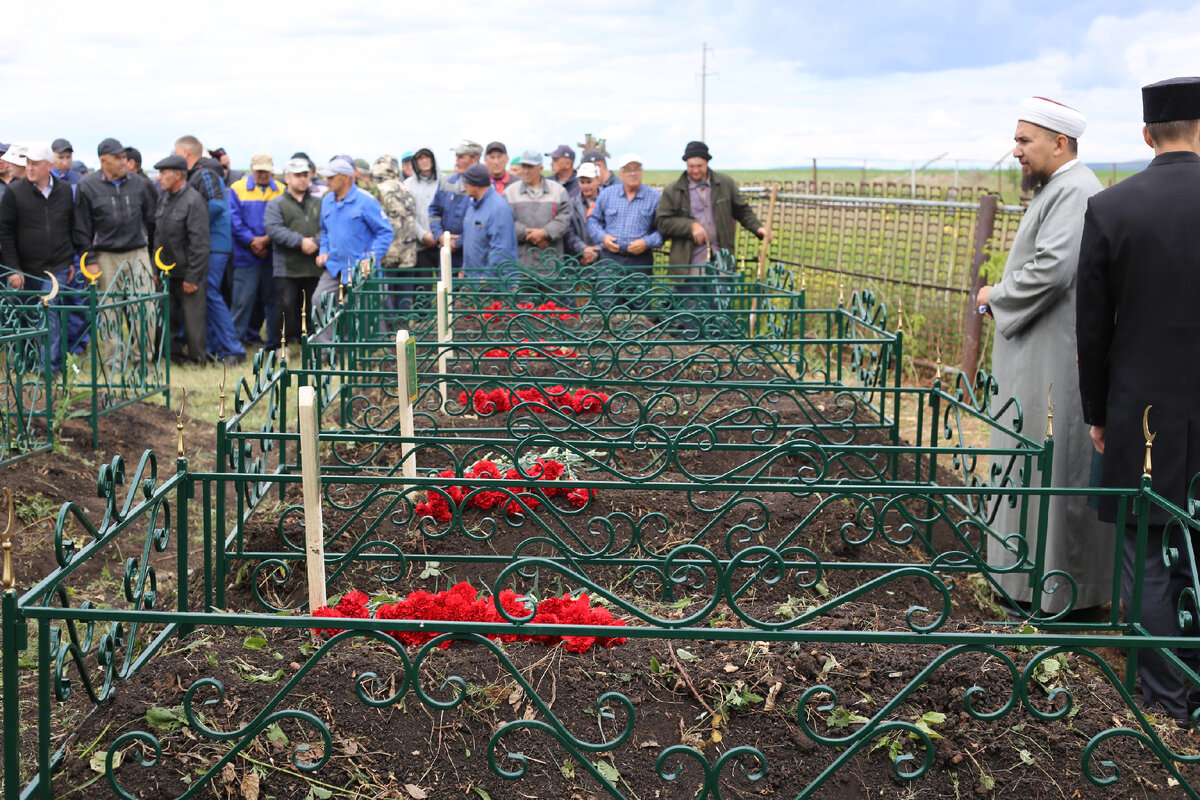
(253, 297)
(623, 220)
(562, 164)
(600, 159)
(64, 154)
(495, 157)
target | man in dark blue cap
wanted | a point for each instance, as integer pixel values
(64, 155)
(1139, 347)
(562, 164)
(489, 236)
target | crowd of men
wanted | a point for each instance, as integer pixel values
(248, 253)
(1097, 300)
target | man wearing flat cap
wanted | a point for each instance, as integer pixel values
(1139, 346)
(698, 211)
(489, 236)
(181, 230)
(1033, 306)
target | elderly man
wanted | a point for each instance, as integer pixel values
(253, 286)
(578, 243)
(489, 238)
(181, 230)
(598, 158)
(541, 210)
(205, 176)
(623, 221)
(113, 214)
(35, 234)
(1033, 305)
(354, 230)
(1139, 342)
(114, 219)
(495, 157)
(64, 157)
(562, 164)
(293, 221)
(400, 262)
(450, 203)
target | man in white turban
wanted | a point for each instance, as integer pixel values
(1033, 305)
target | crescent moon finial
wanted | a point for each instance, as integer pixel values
(158, 262)
(46, 298)
(91, 276)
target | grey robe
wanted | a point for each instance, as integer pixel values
(1034, 307)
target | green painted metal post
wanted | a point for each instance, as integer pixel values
(94, 351)
(1141, 509)
(45, 668)
(182, 496)
(15, 640)
(1037, 577)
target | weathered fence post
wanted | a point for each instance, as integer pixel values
(973, 320)
(314, 528)
(406, 389)
(762, 259)
(447, 269)
(444, 335)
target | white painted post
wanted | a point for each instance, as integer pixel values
(406, 383)
(444, 336)
(314, 529)
(447, 263)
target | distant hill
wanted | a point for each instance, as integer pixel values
(1120, 166)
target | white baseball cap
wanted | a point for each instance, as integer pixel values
(627, 159)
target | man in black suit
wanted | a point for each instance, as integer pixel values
(1139, 345)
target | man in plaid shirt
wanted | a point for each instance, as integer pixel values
(623, 220)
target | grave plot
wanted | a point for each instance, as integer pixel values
(763, 603)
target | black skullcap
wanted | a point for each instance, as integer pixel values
(1172, 99)
(696, 150)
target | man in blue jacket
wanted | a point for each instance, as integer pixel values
(204, 176)
(489, 235)
(354, 230)
(253, 282)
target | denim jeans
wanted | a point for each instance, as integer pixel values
(57, 320)
(223, 338)
(254, 285)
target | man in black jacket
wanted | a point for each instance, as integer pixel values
(114, 220)
(181, 230)
(35, 235)
(113, 217)
(1139, 345)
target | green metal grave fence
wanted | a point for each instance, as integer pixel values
(128, 328)
(26, 416)
(84, 654)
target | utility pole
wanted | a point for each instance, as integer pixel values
(704, 73)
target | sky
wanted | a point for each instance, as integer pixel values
(888, 83)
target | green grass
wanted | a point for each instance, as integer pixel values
(1006, 181)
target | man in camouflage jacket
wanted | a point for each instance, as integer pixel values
(399, 264)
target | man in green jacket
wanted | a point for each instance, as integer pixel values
(697, 212)
(293, 221)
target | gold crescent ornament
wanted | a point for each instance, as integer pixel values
(91, 276)
(158, 262)
(46, 298)
(1146, 465)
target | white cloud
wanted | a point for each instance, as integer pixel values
(367, 78)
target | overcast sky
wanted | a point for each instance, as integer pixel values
(888, 81)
